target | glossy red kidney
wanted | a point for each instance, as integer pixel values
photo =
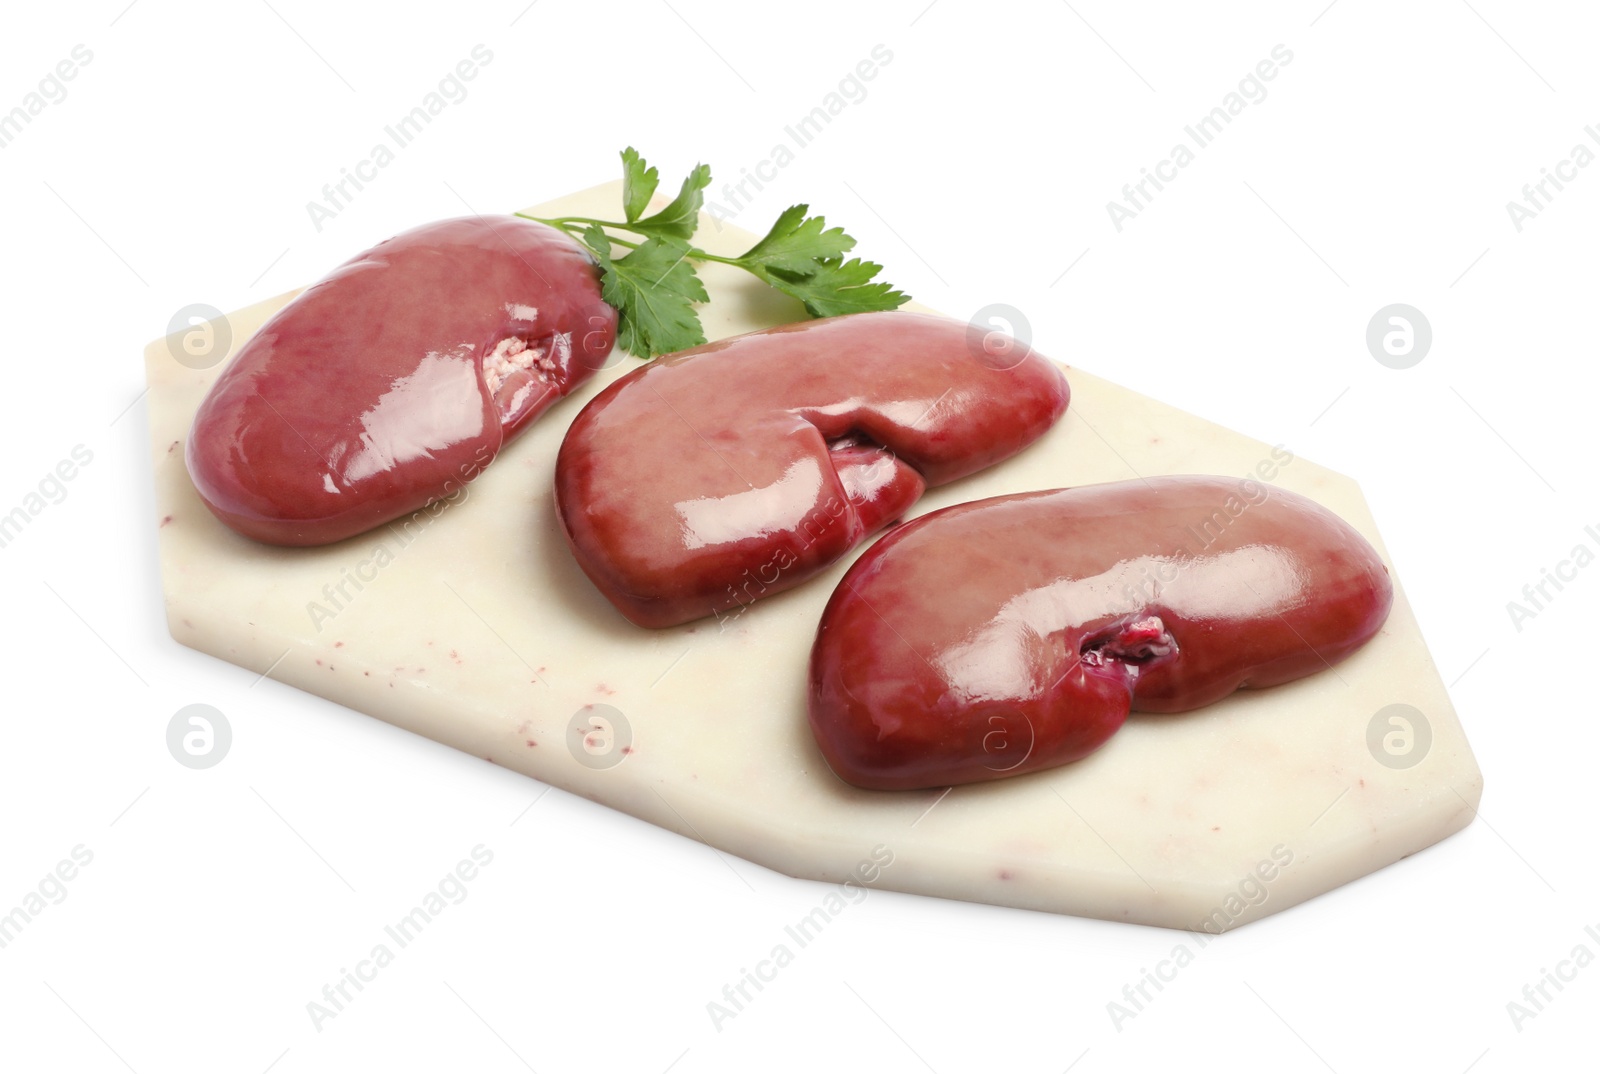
(1016, 633)
(397, 378)
(726, 473)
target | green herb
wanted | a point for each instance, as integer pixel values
(654, 286)
(657, 287)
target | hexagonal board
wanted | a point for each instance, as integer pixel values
(474, 626)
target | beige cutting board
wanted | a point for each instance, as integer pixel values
(473, 626)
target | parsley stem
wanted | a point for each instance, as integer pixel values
(698, 254)
(566, 223)
(563, 221)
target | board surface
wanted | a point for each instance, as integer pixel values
(472, 625)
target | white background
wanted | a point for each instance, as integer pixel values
(977, 169)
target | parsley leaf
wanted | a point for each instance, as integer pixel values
(796, 240)
(837, 287)
(638, 183)
(679, 219)
(653, 288)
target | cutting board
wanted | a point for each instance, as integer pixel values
(471, 624)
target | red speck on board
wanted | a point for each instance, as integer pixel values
(165, 521)
(531, 742)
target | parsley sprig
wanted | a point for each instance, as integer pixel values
(654, 286)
